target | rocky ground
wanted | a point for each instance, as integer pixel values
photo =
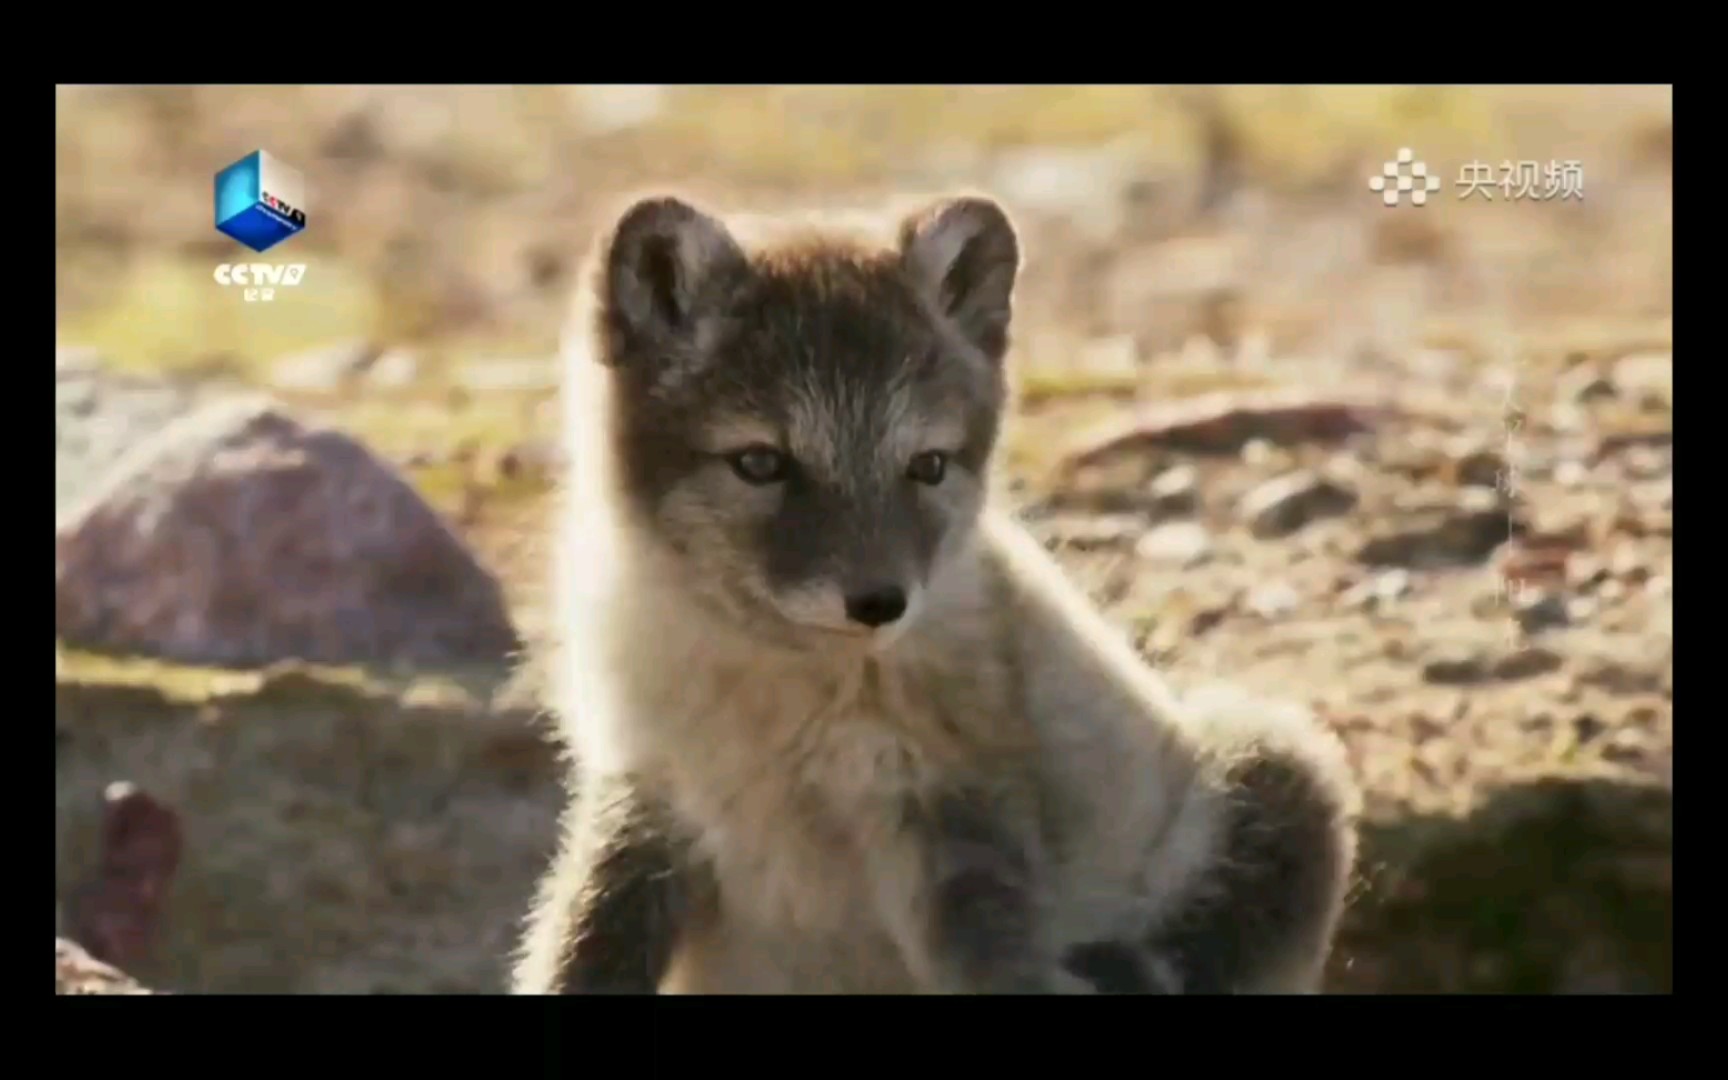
(1445, 523)
(1499, 664)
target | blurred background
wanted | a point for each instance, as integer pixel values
(1409, 464)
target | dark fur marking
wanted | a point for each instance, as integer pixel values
(1280, 865)
(984, 919)
(633, 899)
(1110, 966)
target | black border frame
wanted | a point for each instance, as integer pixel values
(553, 1036)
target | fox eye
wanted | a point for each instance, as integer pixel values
(758, 464)
(928, 467)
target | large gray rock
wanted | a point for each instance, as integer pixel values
(238, 535)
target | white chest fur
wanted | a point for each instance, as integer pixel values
(794, 773)
(794, 784)
(796, 790)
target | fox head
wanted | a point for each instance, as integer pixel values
(804, 426)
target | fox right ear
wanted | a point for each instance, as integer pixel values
(965, 254)
(665, 265)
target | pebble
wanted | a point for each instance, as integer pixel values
(1459, 669)
(1281, 506)
(1474, 465)
(1572, 474)
(1176, 490)
(1586, 386)
(1527, 663)
(1260, 454)
(1380, 590)
(1543, 611)
(1464, 534)
(1271, 601)
(1628, 563)
(1182, 543)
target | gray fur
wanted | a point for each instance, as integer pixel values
(990, 793)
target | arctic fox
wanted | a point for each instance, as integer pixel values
(836, 723)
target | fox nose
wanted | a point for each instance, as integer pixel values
(877, 607)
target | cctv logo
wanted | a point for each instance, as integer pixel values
(259, 279)
(260, 201)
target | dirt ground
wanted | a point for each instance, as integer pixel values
(1410, 465)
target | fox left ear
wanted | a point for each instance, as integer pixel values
(965, 254)
(666, 266)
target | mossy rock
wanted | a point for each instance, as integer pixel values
(1555, 887)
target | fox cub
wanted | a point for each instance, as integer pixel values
(838, 726)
